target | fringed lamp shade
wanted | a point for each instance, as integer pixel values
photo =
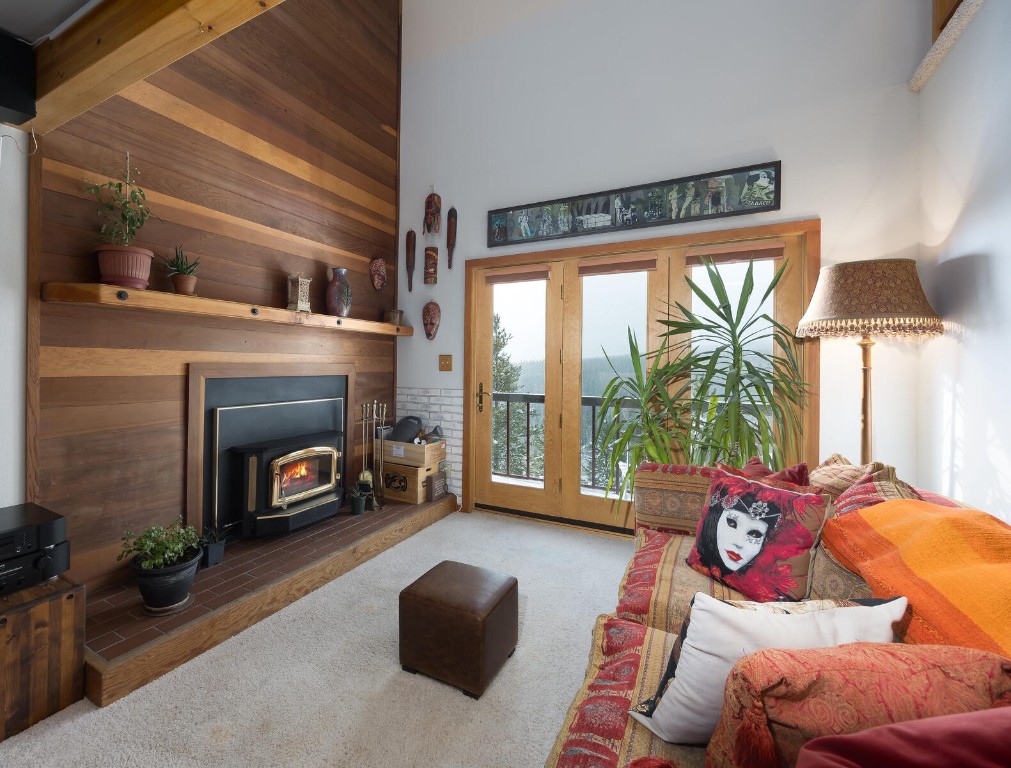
(882, 297)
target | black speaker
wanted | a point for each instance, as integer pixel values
(17, 80)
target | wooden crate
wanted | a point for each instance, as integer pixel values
(435, 486)
(411, 455)
(405, 483)
(41, 653)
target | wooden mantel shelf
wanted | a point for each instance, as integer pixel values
(113, 296)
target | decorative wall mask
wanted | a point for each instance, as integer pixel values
(431, 316)
(450, 235)
(431, 265)
(411, 237)
(377, 271)
(433, 214)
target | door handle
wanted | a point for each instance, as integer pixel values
(480, 397)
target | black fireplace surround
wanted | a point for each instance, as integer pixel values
(289, 483)
(249, 424)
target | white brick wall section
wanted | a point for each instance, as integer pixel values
(442, 407)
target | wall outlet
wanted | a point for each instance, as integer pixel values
(445, 362)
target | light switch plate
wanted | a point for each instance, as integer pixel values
(445, 362)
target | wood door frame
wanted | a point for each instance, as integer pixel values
(808, 230)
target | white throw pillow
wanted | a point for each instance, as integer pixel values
(719, 635)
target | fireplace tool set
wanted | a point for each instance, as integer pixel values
(373, 423)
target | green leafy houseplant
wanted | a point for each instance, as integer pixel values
(180, 264)
(162, 546)
(723, 386)
(637, 419)
(122, 206)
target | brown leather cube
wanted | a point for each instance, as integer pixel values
(458, 624)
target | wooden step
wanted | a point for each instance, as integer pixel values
(111, 673)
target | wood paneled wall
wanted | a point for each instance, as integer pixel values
(271, 151)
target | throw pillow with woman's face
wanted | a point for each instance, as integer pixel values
(740, 536)
(758, 538)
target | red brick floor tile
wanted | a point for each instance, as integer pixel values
(117, 625)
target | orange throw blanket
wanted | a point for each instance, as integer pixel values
(954, 566)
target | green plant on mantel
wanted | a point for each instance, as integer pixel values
(162, 546)
(122, 206)
(180, 264)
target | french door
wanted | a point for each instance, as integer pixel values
(544, 338)
(547, 331)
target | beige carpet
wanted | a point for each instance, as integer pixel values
(319, 683)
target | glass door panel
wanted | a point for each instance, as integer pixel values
(518, 344)
(612, 305)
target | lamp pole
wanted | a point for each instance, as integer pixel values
(866, 428)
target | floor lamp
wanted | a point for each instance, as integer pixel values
(881, 297)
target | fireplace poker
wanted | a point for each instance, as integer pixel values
(365, 476)
(377, 488)
(382, 448)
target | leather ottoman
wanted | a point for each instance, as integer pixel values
(458, 624)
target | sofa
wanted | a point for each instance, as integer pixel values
(634, 650)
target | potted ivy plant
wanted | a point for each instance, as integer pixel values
(165, 560)
(122, 207)
(182, 271)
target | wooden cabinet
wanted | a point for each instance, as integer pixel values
(41, 653)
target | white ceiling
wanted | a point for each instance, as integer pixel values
(35, 20)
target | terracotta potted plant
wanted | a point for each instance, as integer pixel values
(122, 206)
(182, 271)
(165, 560)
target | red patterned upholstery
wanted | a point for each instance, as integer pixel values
(777, 699)
(626, 664)
(874, 488)
(670, 497)
(658, 584)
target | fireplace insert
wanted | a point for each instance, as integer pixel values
(288, 483)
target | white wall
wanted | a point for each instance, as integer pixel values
(14, 258)
(511, 103)
(965, 411)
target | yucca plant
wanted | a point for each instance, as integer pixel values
(739, 399)
(638, 419)
(709, 393)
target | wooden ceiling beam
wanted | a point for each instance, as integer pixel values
(121, 42)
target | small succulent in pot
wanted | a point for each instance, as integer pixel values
(180, 264)
(183, 271)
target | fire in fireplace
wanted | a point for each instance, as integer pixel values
(302, 474)
(290, 482)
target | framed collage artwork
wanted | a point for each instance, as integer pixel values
(732, 192)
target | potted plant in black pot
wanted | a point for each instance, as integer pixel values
(213, 542)
(165, 560)
(357, 498)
